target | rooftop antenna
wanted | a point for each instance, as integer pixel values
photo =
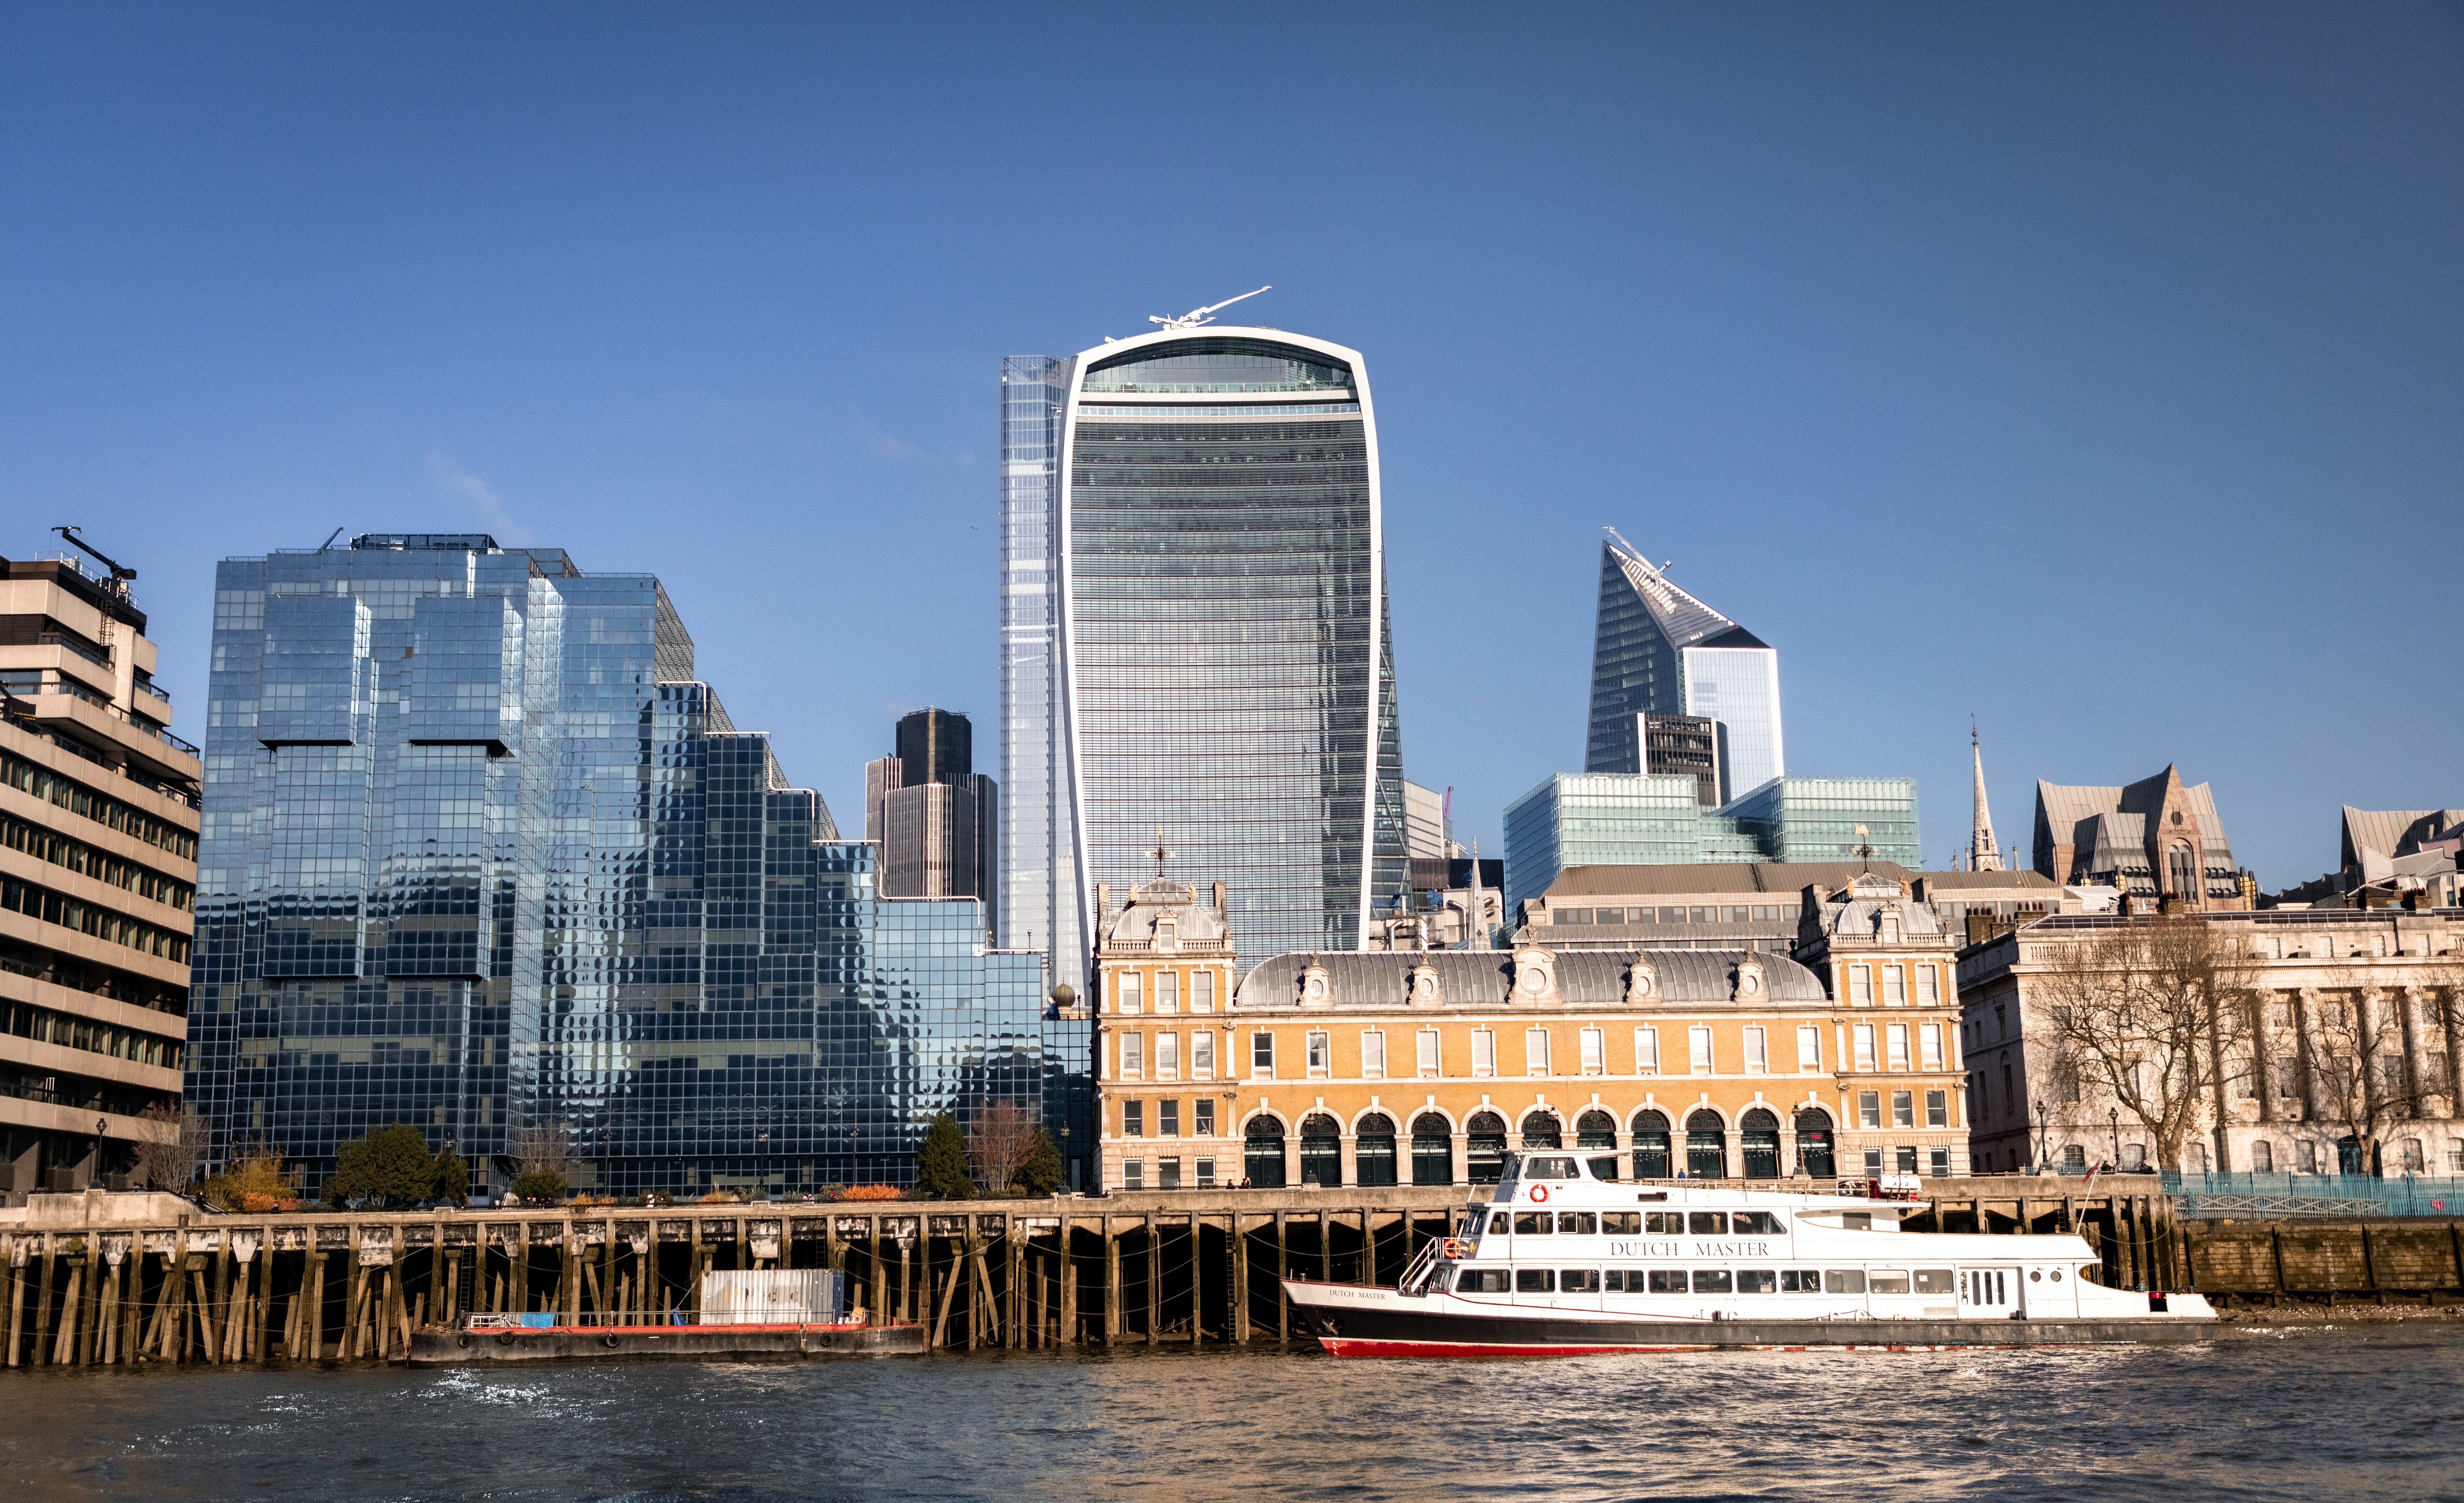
(329, 538)
(1195, 317)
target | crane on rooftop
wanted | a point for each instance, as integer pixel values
(1195, 317)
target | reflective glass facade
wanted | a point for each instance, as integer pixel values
(1815, 819)
(1658, 650)
(1229, 671)
(1039, 840)
(480, 855)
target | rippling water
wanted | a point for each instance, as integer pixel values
(2307, 1413)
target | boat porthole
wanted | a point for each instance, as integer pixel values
(2035, 1275)
(2057, 1275)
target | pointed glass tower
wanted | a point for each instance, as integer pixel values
(1658, 651)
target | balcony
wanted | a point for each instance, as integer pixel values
(72, 714)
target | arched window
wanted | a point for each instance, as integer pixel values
(2073, 1159)
(1484, 1146)
(1373, 1150)
(1433, 1150)
(1650, 1145)
(1541, 1129)
(1759, 1132)
(1814, 1143)
(2184, 867)
(1262, 1158)
(1707, 1146)
(1320, 1151)
(1596, 1131)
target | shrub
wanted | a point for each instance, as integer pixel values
(872, 1192)
(941, 1161)
(393, 1165)
(540, 1186)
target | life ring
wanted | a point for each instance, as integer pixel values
(1455, 1247)
(1539, 1193)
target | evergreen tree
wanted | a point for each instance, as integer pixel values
(390, 1164)
(941, 1162)
(1040, 1173)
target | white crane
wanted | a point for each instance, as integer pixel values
(1198, 315)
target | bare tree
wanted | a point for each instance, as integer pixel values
(543, 1149)
(1000, 1138)
(2361, 1075)
(2147, 1013)
(174, 1147)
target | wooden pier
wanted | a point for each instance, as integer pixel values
(1186, 1267)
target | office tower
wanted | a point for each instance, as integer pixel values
(1682, 743)
(1039, 832)
(97, 875)
(937, 820)
(1197, 524)
(1612, 819)
(1428, 827)
(485, 856)
(1660, 651)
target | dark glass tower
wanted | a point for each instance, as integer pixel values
(1658, 651)
(481, 856)
(1228, 671)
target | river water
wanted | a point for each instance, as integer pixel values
(2307, 1413)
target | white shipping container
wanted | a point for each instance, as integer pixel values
(774, 1296)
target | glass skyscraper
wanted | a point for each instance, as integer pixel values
(479, 855)
(1192, 524)
(1658, 650)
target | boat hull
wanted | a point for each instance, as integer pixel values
(1353, 1321)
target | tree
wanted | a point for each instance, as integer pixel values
(941, 1161)
(390, 1164)
(1040, 1174)
(174, 1147)
(543, 1149)
(2147, 1013)
(453, 1176)
(256, 1183)
(2360, 1079)
(999, 1140)
(539, 1185)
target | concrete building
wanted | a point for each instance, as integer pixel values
(99, 825)
(1195, 633)
(937, 820)
(1597, 819)
(1659, 651)
(483, 856)
(1424, 1068)
(2385, 855)
(2155, 839)
(1758, 905)
(2344, 1058)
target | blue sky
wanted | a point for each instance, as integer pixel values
(2098, 370)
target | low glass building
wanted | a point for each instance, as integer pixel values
(480, 855)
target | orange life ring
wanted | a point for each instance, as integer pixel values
(1539, 1193)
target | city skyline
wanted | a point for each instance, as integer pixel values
(1861, 325)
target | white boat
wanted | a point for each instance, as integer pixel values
(1559, 1262)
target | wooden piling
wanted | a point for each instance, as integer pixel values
(1112, 1284)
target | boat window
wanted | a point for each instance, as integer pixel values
(1531, 1223)
(1711, 1281)
(1708, 1223)
(1480, 1281)
(1856, 1221)
(1500, 1223)
(1437, 1281)
(1668, 1281)
(1935, 1281)
(1757, 1281)
(1549, 1168)
(2057, 1275)
(1535, 1281)
(1843, 1281)
(1578, 1224)
(1765, 1224)
(1800, 1281)
(1620, 1224)
(2091, 1273)
(1623, 1281)
(1663, 1224)
(1887, 1281)
(1578, 1281)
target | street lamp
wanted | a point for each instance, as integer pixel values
(2113, 1119)
(2044, 1136)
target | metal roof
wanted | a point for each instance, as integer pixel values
(1719, 876)
(1478, 977)
(2383, 830)
(1687, 621)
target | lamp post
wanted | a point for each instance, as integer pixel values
(101, 1126)
(2113, 1119)
(2044, 1136)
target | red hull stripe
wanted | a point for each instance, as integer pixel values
(1347, 1346)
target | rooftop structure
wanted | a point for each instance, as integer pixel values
(2156, 839)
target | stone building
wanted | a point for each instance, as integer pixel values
(2344, 1059)
(98, 880)
(1424, 1068)
(2156, 840)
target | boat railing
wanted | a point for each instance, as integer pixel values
(1417, 1276)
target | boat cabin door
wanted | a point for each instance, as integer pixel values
(1990, 1293)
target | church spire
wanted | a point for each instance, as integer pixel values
(1983, 854)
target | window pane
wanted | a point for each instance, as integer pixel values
(1809, 1050)
(1373, 1053)
(1428, 1051)
(1133, 989)
(1202, 1056)
(1646, 1050)
(1202, 992)
(1535, 1052)
(1484, 1052)
(1167, 991)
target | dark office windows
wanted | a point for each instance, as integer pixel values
(1433, 1150)
(1320, 1151)
(1374, 1150)
(1485, 1145)
(1650, 1145)
(1262, 1156)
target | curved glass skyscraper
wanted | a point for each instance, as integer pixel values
(1225, 668)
